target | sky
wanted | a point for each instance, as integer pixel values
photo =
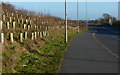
(94, 9)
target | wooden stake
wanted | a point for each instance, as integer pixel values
(13, 25)
(41, 34)
(32, 36)
(11, 37)
(28, 27)
(1, 24)
(21, 37)
(25, 35)
(35, 35)
(2, 38)
(24, 26)
(38, 34)
(8, 25)
(10, 19)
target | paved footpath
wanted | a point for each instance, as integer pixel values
(86, 55)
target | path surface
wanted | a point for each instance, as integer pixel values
(88, 53)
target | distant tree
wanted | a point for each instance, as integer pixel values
(107, 16)
(114, 19)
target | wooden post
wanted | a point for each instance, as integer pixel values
(22, 21)
(41, 34)
(31, 26)
(18, 20)
(13, 25)
(24, 26)
(8, 25)
(25, 35)
(26, 21)
(28, 27)
(38, 33)
(2, 38)
(21, 37)
(45, 28)
(17, 15)
(11, 37)
(10, 19)
(12, 14)
(44, 33)
(1, 24)
(35, 27)
(48, 33)
(35, 35)
(32, 36)
(42, 23)
(3, 17)
(30, 22)
(40, 27)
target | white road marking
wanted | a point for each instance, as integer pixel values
(105, 47)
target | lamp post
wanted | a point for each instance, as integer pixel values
(86, 16)
(66, 35)
(78, 15)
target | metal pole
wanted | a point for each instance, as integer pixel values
(66, 35)
(86, 16)
(78, 15)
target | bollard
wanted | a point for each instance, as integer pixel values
(21, 37)
(8, 24)
(11, 37)
(2, 38)
(25, 35)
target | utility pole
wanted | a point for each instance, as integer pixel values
(66, 35)
(78, 16)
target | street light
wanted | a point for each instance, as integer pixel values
(66, 35)
(86, 16)
(78, 15)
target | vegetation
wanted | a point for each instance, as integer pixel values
(105, 21)
(41, 55)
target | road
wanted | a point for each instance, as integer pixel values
(95, 51)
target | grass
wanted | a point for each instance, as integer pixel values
(39, 56)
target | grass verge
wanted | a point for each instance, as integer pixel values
(41, 55)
